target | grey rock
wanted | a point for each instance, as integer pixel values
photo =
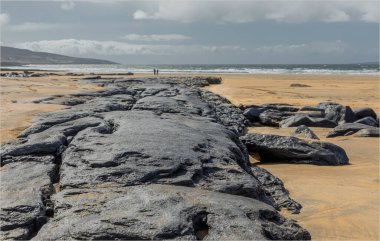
(347, 129)
(273, 118)
(370, 132)
(279, 107)
(24, 186)
(275, 189)
(299, 85)
(313, 114)
(337, 113)
(311, 108)
(252, 114)
(137, 132)
(92, 77)
(164, 212)
(36, 144)
(365, 112)
(299, 120)
(274, 148)
(369, 121)
(168, 149)
(305, 132)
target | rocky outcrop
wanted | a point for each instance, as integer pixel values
(370, 132)
(348, 129)
(146, 158)
(299, 85)
(164, 212)
(307, 121)
(369, 121)
(338, 113)
(305, 132)
(274, 148)
(325, 114)
(365, 112)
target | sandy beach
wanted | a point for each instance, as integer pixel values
(17, 109)
(339, 203)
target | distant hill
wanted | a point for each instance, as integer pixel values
(14, 56)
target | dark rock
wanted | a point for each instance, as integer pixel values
(305, 132)
(347, 129)
(313, 114)
(370, 132)
(299, 120)
(365, 112)
(369, 121)
(299, 85)
(23, 187)
(279, 107)
(140, 132)
(273, 118)
(36, 144)
(311, 108)
(337, 113)
(92, 77)
(204, 154)
(164, 212)
(274, 188)
(273, 148)
(252, 114)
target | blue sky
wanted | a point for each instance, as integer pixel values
(197, 32)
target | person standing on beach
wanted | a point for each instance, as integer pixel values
(154, 71)
(157, 71)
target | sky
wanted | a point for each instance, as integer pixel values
(197, 31)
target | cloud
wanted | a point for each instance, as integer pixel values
(326, 48)
(156, 37)
(92, 47)
(250, 11)
(32, 26)
(4, 19)
(67, 5)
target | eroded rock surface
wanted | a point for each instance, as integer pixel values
(109, 166)
(325, 115)
(164, 212)
(274, 148)
(348, 129)
(305, 132)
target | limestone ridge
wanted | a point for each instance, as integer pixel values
(146, 158)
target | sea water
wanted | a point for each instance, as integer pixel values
(352, 69)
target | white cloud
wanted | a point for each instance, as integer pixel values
(32, 26)
(156, 37)
(328, 48)
(4, 19)
(139, 14)
(67, 5)
(249, 11)
(91, 47)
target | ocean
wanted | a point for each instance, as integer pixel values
(351, 69)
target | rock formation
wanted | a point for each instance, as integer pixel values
(146, 158)
(274, 148)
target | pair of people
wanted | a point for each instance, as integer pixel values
(155, 71)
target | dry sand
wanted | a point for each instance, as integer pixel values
(339, 203)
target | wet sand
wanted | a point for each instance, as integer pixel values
(339, 203)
